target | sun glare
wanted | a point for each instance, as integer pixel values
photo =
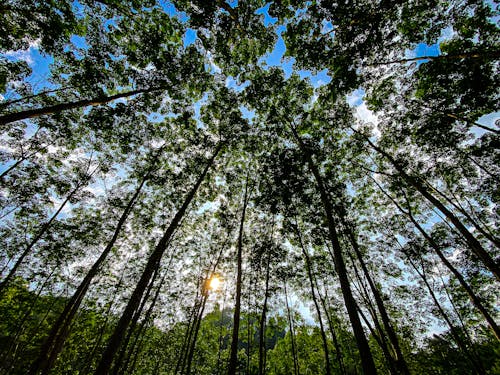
(214, 283)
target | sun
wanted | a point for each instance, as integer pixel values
(214, 283)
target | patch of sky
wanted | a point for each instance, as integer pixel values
(423, 49)
(276, 56)
(326, 27)
(172, 11)
(233, 84)
(189, 37)
(317, 80)
(156, 117)
(197, 108)
(247, 113)
(39, 64)
(268, 20)
(79, 41)
(232, 3)
(208, 206)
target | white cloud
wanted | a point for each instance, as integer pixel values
(365, 115)
(356, 97)
(25, 55)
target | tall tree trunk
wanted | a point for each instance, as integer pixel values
(233, 358)
(453, 330)
(37, 112)
(476, 301)
(59, 331)
(416, 182)
(378, 333)
(400, 362)
(494, 55)
(90, 357)
(350, 303)
(134, 348)
(331, 327)
(193, 316)
(133, 324)
(315, 300)
(153, 262)
(192, 336)
(24, 98)
(192, 347)
(263, 317)
(43, 230)
(296, 367)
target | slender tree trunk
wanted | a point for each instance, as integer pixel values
(416, 182)
(34, 113)
(359, 334)
(11, 102)
(469, 217)
(233, 358)
(59, 331)
(153, 262)
(296, 367)
(453, 330)
(467, 55)
(315, 300)
(195, 333)
(133, 324)
(378, 333)
(134, 349)
(90, 356)
(437, 249)
(263, 317)
(43, 230)
(181, 362)
(338, 350)
(400, 362)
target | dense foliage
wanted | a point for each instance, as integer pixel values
(335, 166)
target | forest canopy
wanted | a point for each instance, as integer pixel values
(249, 187)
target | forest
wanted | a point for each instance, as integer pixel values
(249, 187)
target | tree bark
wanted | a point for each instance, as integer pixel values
(472, 295)
(34, 113)
(400, 362)
(338, 349)
(359, 334)
(296, 367)
(315, 300)
(59, 331)
(472, 241)
(233, 358)
(263, 317)
(153, 262)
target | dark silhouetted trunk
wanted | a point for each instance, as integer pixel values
(315, 300)
(296, 367)
(416, 182)
(233, 358)
(331, 327)
(437, 249)
(37, 112)
(116, 339)
(59, 331)
(350, 303)
(400, 363)
(263, 318)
